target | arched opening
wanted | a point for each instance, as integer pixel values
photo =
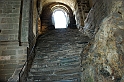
(60, 19)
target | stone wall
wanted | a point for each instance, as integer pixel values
(103, 58)
(12, 56)
(25, 19)
(9, 19)
(12, 59)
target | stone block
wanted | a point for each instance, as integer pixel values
(6, 20)
(20, 51)
(4, 57)
(10, 20)
(2, 62)
(8, 52)
(15, 20)
(6, 26)
(1, 66)
(15, 2)
(7, 11)
(14, 31)
(15, 25)
(16, 11)
(4, 37)
(13, 57)
(2, 5)
(7, 38)
(8, 44)
(6, 71)
(10, 66)
(13, 38)
(9, 6)
(1, 11)
(19, 57)
(10, 47)
(2, 78)
(14, 15)
(22, 61)
(16, 6)
(3, 15)
(16, 36)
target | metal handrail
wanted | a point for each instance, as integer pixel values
(26, 62)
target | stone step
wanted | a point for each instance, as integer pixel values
(58, 50)
(55, 61)
(57, 57)
(57, 72)
(45, 56)
(55, 64)
(60, 44)
(39, 69)
(58, 54)
(59, 60)
(68, 80)
(55, 77)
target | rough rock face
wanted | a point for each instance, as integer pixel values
(103, 58)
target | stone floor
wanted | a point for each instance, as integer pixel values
(57, 56)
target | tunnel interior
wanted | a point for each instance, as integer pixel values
(29, 37)
(48, 20)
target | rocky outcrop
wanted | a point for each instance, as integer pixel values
(103, 58)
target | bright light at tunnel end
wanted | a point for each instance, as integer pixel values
(59, 20)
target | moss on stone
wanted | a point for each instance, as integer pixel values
(89, 79)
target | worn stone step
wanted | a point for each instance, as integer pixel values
(57, 57)
(41, 81)
(57, 72)
(60, 56)
(56, 66)
(68, 80)
(55, 77)
(53, 68)
(67, 51)
(74, 70)
(67, 57)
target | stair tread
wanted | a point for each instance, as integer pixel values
(57, 57)
(56, 77)
(57, 72)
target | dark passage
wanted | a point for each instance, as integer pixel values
(58, 56)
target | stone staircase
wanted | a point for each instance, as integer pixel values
(57, 57)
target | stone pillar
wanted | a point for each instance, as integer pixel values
(25, 21)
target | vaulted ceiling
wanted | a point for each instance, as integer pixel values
(73, 8)
(70, 3)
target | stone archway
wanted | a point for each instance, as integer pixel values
(49, 9)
